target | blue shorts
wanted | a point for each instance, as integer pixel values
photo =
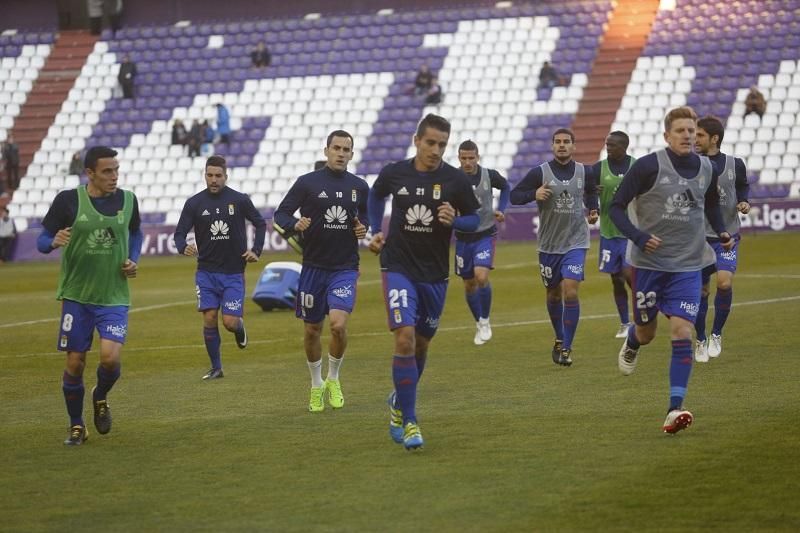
(319, 291)
(612, 255)
(726, 259)
(474, 254)
(410, 303)
(78, 322)
(555, 267)
(216, 290)
(672, 293)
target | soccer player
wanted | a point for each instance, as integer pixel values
(426, 193)
(560, 188)
(332, 203)
(475, 250)
(612, 242)
(674, 190)
(97, 225)
(218, 216)
(733, 193)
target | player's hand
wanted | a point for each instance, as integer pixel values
(743, 207)
(726, 241)
(652, 244)
(543, 193)
(446, 214)
(302, 224)
(190, 250)
(359, 229)
(62, 238)
(129, 269)
(250, 256)
(499, 216)
(593, 216)
(376, 243)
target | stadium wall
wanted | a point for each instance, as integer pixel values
(520, 225)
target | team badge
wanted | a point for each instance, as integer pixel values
(354, 195)
(120, 217)
(63, 342)
(398, 317)
(230, 209)
(731, 175)
(437, 191)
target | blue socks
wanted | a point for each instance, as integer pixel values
(485, 294)
(474, 303)
(105, 380)
(73, 397)
(633, 342)
(211, 336)
(556, 312)
(406, 376)
(622, 308)
(572, 312)
(700, 321)
(722, 308)
(679, 370)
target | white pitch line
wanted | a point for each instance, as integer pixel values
(387, 333)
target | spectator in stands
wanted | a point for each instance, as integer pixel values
(179, 133)
(8, 233)
(261, 56)
(126, 76)
(434, 94)
(424, 80)
(755, 102)
(208, 138)
(96, 10)
(195, 138)
(224, 124)
(548, 77)
(76, 164)
(11, 157)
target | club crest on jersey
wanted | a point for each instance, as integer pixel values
(353, 195)
(230, 209)
(437, 191)
(120, 217)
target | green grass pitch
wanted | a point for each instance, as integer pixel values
(513, 442)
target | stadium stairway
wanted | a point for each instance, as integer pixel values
(623, 42)
(62, 67)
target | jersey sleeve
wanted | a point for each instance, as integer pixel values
(525, 191)
(185, 223)
(62, 212)
(284, 215)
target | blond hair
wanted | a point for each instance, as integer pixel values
(677, 113)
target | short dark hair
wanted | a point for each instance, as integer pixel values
(713, 126)
(339, 133)
(320, 164)
(623, 136)
(564, 130)
(468, 146)
(217, 161)
(95, 153)
(433, 121)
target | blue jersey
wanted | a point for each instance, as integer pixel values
(418, 244)
(219, 227)
(332, 200)
(496, 181)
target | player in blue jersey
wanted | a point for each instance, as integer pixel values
(675, 191)
(561, 188)
(427, 195)
(733, 192)
(218, 216)
(97, 227)
(612, 242)
(475, 250)
(332, 203)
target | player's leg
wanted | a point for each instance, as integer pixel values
(75, 338)
(680, 301)
(311, 306)
(571, 277)
(209, 298)
(550, 271)
(726, 268)
(112, 327)
(645, 286)
(464, 266)
(611, 261)
(341, 295)
(484, 262)
(233, 306)
(701, 344)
